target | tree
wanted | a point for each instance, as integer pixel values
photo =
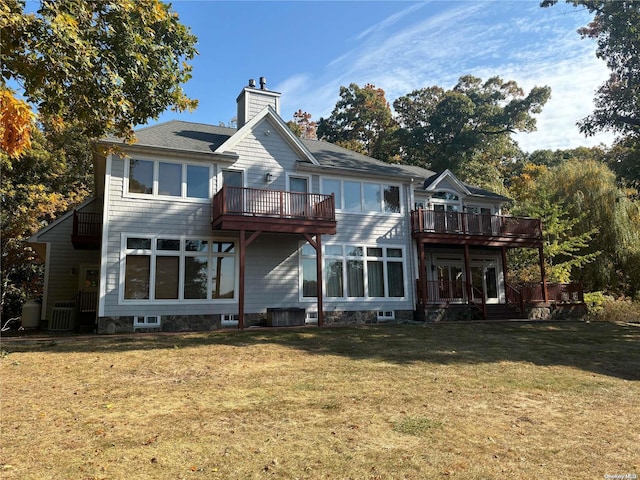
(302, 125)
(34, 189)
(582, 203)
(361, 121)
(565, 249)
(16, 122)
(615, 27)
(448, 128)
(105, 65)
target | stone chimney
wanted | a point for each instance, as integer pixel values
(252, 100)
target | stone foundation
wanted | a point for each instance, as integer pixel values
(199, 323)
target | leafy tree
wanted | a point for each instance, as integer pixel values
(448, 128)
(105, 65)
(303, 126)
(16, 122)
(624, 159)
(580, 198)
(361, 121)
(565, 249)
(35, 188)
(591, 192)
(615, 28)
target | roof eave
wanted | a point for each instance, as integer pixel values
(228, 157)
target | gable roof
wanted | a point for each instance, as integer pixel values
(318, 155)
(431, 183)
(279, 124)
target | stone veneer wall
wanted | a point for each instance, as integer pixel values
(193, 323)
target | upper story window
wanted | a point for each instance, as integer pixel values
(355, 196)
(448, 196)
(168, 179)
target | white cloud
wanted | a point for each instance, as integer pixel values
(420, 47)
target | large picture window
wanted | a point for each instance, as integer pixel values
(168, 179)
(354, 196)
(174, 269)
(355, 271)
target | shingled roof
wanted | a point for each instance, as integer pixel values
(190, 137)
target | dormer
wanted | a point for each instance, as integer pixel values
(252, 100)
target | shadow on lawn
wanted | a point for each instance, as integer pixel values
(600, 347)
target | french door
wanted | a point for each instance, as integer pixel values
(485, 281)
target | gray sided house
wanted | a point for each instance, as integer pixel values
(198, 227)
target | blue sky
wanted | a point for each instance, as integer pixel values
(308, 49)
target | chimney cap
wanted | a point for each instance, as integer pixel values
(263, 83)
(252, 83)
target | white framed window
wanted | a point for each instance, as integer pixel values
(147, 321)
(386, 315)
(363, 197)
(229, 320)
(148, 178)
(177, 269)
(355, 271)
(311, 318)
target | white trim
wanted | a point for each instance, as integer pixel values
(279, 124)
(228, 320)
(155, 195)
(153, 253)
(308, 178)
(386, 315)
(362, 211)
(105, 235)
(384, 258)
(146, 323)
(433, 186)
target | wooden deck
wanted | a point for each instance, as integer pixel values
(429, 226)
(277, 211)
(87, 230)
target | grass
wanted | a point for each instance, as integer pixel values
(468, 401)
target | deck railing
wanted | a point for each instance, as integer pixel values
(436, 221)
(87, 224)
(557, 292)
(442, 291)
(273, 203)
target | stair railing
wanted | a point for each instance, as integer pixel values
(515, 297)
(478, 293)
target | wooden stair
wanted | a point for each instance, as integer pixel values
(504, 312)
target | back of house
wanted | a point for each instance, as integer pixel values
(199, 227)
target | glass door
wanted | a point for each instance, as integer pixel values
(484, 279)
(298, 201)
(450, 283)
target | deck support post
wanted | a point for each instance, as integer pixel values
(317, 245)
(543, 275)
(242, 247)
(467, 271)
(422, 273)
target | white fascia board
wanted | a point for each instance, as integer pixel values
(344, 172)
(126, 149)
(227, 147)
(449, 175)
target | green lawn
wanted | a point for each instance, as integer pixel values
(468, 401)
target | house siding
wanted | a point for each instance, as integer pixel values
(63, 269)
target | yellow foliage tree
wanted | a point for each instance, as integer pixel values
(16, 123)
